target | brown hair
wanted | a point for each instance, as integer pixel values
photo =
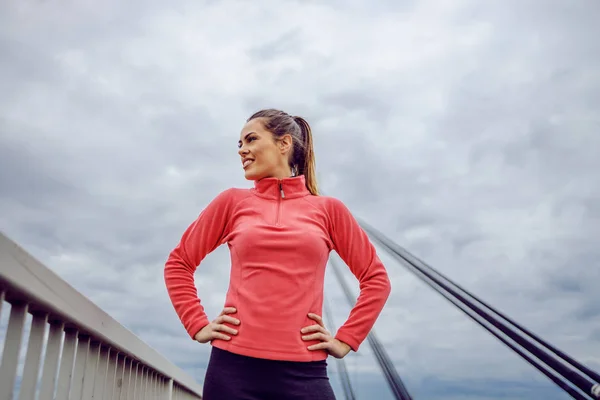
(302, 157)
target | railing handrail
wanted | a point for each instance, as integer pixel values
(27, 280)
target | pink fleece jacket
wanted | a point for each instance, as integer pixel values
(279, 237)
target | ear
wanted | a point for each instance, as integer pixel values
(285, 143)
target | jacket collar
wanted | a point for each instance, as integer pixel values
(286, 188)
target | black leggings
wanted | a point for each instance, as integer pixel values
(234, 377)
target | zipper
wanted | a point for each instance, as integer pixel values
(281, 190)
(279, 202)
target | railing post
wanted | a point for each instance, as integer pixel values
(51, 360)
(2, 294)
(33, 357)
(81, 356)
(170, 389)
(12, 346)
(90, 374)
(65, 373)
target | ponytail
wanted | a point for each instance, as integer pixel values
(307, 163)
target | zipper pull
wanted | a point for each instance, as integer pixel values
(281, 190)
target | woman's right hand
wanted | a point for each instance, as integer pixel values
(215, 329)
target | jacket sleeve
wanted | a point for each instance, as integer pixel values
(352, 244)
(203, 236)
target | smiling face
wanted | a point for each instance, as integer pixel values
(262, 156)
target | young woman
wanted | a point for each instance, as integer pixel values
(269, 342)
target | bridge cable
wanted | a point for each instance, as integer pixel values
(393, 379)
(574, 363)
(424, 272)
(561, 383)
(343, 371)
(577, 365)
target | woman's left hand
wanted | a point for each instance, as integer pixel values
(329, 343)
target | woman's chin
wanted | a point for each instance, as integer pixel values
(249, 175)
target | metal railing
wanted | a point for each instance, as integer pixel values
(88, 354)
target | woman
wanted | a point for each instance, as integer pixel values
(270, 341)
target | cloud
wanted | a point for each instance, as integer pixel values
(466, 133)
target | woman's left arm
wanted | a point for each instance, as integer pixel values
(354, 247)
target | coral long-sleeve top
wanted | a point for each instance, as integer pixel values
(280, 237)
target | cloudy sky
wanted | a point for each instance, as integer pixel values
(466, 131)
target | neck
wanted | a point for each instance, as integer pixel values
(282, 173)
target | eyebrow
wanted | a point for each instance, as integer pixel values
(246, 136)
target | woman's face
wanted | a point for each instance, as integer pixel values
(261, 156)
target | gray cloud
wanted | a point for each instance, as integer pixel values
(467, 133)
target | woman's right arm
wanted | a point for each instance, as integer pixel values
(203, 236)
